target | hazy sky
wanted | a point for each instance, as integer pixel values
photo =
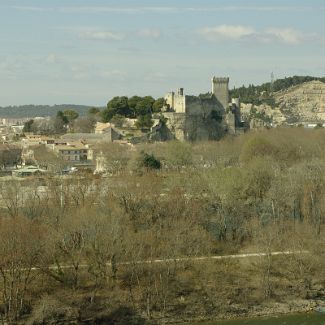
(86, 51)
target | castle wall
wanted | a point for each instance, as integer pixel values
(230, 122)
(194, 127)
(176, 124)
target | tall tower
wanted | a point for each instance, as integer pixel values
(221, 91)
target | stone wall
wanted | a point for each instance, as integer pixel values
(202, 106)
(176, 124)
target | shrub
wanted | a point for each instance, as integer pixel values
(149, 161)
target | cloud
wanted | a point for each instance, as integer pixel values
(252, 8)
(51, 58)
(150, 33)
(165, 9)
(120, 10)
(112, 73)
(99, 9)
(35, 9)
(226, 32)
(97, 35)
(241, 33)
(286, 35)
(89, 71)
(180, 9)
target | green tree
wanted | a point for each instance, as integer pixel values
(93, 111)
(28, 126)
(119, 105)
(106, 115)
(133, 101)
(149, 161)
(62, 118)
(144, 122)
(71, 115)
(158, 105)
(144, 106)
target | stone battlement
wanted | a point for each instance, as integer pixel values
(220, 79)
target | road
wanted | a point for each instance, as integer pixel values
(184, 259)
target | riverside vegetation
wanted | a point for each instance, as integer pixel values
(82, 248)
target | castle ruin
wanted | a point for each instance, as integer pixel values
(204, 117)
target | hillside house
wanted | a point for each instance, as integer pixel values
(74, 152)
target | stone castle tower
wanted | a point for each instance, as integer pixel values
(221, 91)
(194, 117)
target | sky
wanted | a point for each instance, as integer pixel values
(87, 51)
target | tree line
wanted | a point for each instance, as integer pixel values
(141, 108)
(117, 110)
(40, 110)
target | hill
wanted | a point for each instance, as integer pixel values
(291, 100)
(40, 110)
(262, 94)
(302, 103)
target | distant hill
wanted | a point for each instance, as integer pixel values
(40, 110)
(262, 94)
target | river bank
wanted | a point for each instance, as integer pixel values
(255, 315)
(263, 311)
(292, 319)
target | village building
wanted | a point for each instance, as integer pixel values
(109, 130)
(86, 138)
(74, 152)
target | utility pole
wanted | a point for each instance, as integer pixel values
(272, 83)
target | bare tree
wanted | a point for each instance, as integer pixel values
(21, 247)
(12, 197)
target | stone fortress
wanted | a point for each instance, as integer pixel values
(203, 117)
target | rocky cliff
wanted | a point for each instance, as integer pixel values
(304, 103)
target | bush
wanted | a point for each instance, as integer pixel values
(149, 161)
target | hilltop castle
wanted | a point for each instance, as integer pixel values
(206, 117)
